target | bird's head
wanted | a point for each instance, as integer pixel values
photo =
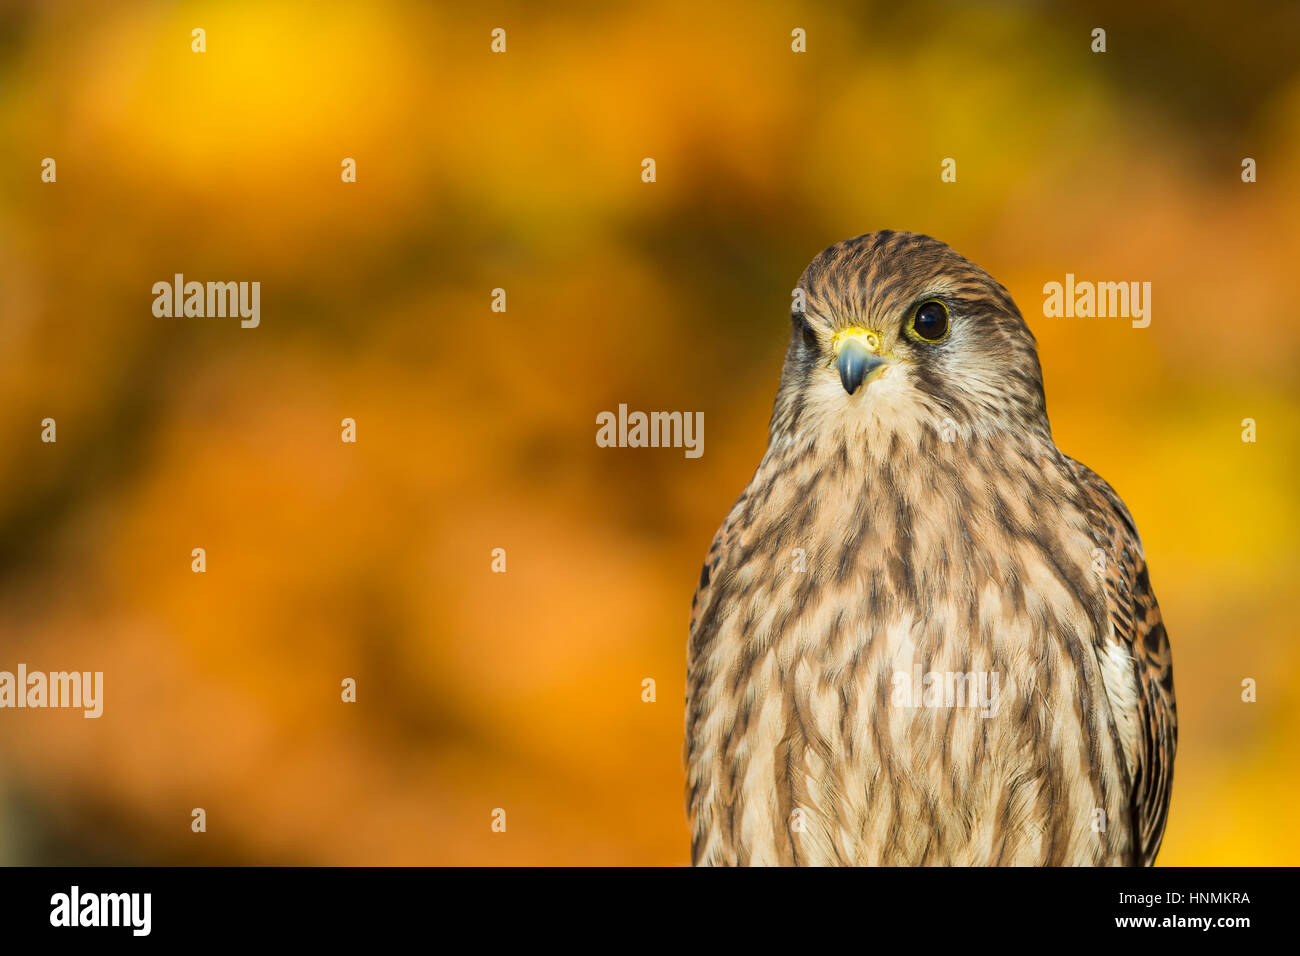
(901, 331)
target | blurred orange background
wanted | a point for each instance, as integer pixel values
(476, 430)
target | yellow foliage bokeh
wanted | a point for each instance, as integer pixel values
(522, 170)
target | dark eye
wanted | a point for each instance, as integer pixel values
(930, 322)
(806, 330)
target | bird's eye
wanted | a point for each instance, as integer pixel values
(809, 336)
(930, 321)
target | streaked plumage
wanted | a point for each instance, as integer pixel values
(991, 552)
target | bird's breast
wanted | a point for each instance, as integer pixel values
(900, 678)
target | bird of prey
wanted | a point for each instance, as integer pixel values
(923, 635)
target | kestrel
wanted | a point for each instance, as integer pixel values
(923, 634)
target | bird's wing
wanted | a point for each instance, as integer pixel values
(1136, 664)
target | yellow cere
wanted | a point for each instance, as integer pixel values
(868, 338)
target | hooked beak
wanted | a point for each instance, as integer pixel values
(856, 361)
